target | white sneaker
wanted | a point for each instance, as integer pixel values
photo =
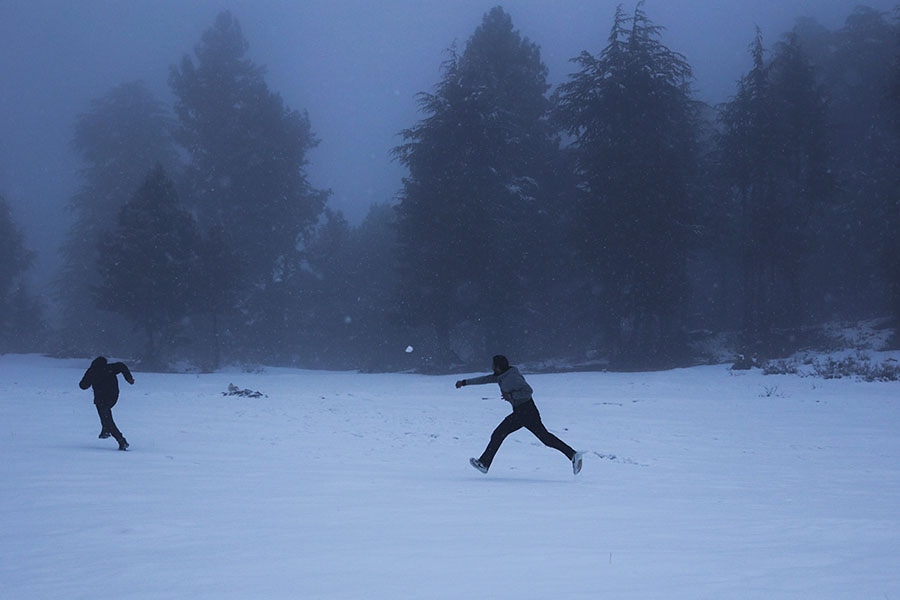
(477, 464)
(577, 462)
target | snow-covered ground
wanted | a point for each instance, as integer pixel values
(697, 483)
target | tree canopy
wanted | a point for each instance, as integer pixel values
(148, 263)
(634, 125)
(478, 178)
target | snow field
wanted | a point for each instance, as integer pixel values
(698, 483)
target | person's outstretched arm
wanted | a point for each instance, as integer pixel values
(122, 368)
(477, 380)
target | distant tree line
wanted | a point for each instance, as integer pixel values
(614, 220)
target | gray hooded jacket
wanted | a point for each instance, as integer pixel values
(513, 386)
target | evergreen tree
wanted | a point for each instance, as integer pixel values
(122, 135)
(347, 293)
(867, 156)
(775, 156)
(15, 259)
(246, 171)
(468, 218)
(25, 330)
(148, 264)
(378, 339)
(891, 247)
(324, 305)
(215, 286)
(633, 126)
(21, 324)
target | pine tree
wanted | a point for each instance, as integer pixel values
(15, 259)
(21, 323)
(479, 165)
(633, 126)
(378, 341)
(775, 156)
(148, 264)
(215, 289)
(891, 246)
(246, 152)
(856, 75)
(324, 305)
(246, 176)
(122, 135)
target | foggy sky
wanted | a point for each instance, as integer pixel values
(354, 65)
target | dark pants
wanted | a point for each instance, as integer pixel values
(107, 423)
(525, 415)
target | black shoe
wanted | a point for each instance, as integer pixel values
(103, 435)
(123, 445)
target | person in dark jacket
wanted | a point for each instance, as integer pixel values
(515, 390)
(103, 377)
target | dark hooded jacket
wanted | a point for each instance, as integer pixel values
(102, 376)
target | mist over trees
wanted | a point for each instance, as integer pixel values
(21, 325)
(120, 138)
(613, 221)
